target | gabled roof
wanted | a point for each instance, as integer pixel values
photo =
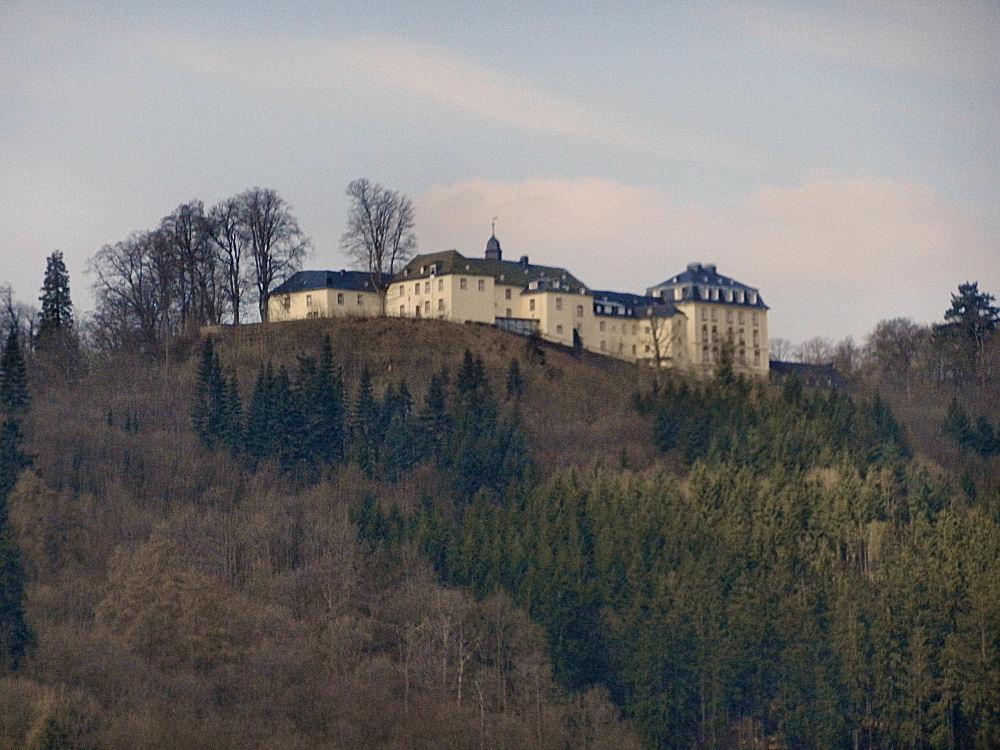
(623, 304)
(514, 273)
(305, 281)
(697, 281)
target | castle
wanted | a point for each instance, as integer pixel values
(684, 323)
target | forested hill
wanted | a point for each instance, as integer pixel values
(399, 533)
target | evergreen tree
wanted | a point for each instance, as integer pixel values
(13, 375)
(364, 423)
(208, 410)
(970, 322)
(263, 422)
(434, 422)
(57, 309)
(15, 635)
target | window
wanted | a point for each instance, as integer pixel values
(601, 325)
(713, 314)
(441, 304)
(482, 285)
(704, 313)
(755, 319)
(402, 290)
(506, 293)
(559, 330)
(508, 312)
(463, 284)
(558, 303)
(756, 358)
(531, 305)
(427, 307)
(633, 350)
(402, 310)
(729, 316)
(740, 316)
(340, 298)
(604, 346)
(361, 300)
(579, 311)
(416, 288)
(440, 285)
(427, 287)
(309, 300)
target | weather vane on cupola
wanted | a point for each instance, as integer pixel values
(493, 251)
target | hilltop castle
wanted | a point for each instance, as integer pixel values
(683, 323)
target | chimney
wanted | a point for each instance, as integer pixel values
(524, 262)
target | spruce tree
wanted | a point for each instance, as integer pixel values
(15, 635)
(364, 424)
(208, 409)
(434, 422)
(57, 309)
(13, 375)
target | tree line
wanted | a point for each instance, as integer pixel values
(198, 267)
(901, 353)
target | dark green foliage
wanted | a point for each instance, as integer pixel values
(734, 420)
(15, 635)
(13, 375)
(485, 450)
(57, 309)
(364, 425)
(434, 421)
(969, 323)
(214, 416)
(983, 439)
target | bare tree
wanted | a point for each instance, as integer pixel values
(848, 357)
(16, 315)
(663, 339)
(277, 245)
(188, 240)
(231, 240)
(781, 349)
(895, 348)
(379, 234)
(134, 290)
(816, 351)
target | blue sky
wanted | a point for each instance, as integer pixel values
(842, 157)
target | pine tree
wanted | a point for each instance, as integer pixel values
(13, 375)
(57, 309)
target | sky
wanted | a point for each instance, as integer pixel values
(842, 157)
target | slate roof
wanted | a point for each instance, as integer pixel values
(304, 281)
(697, 279)
(624, 304)
(515, 273)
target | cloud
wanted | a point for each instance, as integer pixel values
(954, 39)
(370, 70)
(831, 256)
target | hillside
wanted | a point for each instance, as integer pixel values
(181, 600)
(717, 565)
